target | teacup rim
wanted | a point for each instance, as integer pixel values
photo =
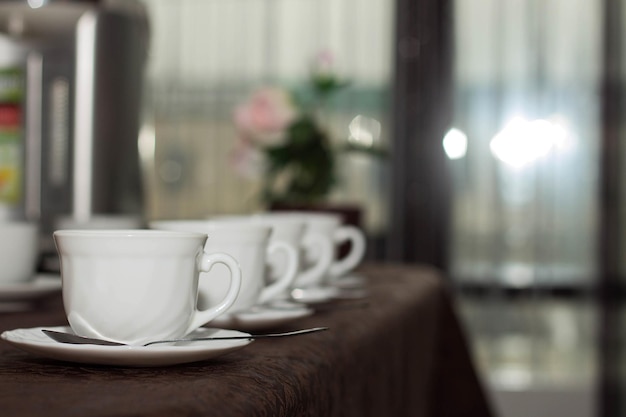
(301, 214)
(212, 225)
(130, 233)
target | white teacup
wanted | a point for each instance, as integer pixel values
(250, 245)
(329, 228)
(18, 251)
(295, 231)
(136, 286)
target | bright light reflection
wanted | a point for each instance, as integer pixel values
(455, 144)
(35, 4)
(364, 131)
(523, 141)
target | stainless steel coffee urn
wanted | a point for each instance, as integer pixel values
(71, 75)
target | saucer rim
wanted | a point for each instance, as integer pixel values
(270, 317)
(131, 356)
(329, 293)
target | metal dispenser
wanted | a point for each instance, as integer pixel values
(82, 65)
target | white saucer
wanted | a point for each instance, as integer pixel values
(314, 295)
(262, 317)
(40, 286)
(34, 341)
(350, 281)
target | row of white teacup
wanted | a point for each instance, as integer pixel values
(135, 286)
(316, 234)
(284, 250)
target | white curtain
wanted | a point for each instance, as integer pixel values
(527, 76)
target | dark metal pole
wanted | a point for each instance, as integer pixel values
(422, 113)
(610, 285)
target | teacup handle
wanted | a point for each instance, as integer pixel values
(283, 282)
(205, 263)
(357, 250)
(314, 274)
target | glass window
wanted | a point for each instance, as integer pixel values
(524, 152)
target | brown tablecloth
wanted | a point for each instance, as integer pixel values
(398, 352)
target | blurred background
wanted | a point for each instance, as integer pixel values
(494, 115)
(488, 137)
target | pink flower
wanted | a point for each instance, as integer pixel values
(265, 116)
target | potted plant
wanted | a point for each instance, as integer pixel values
(282, 138)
